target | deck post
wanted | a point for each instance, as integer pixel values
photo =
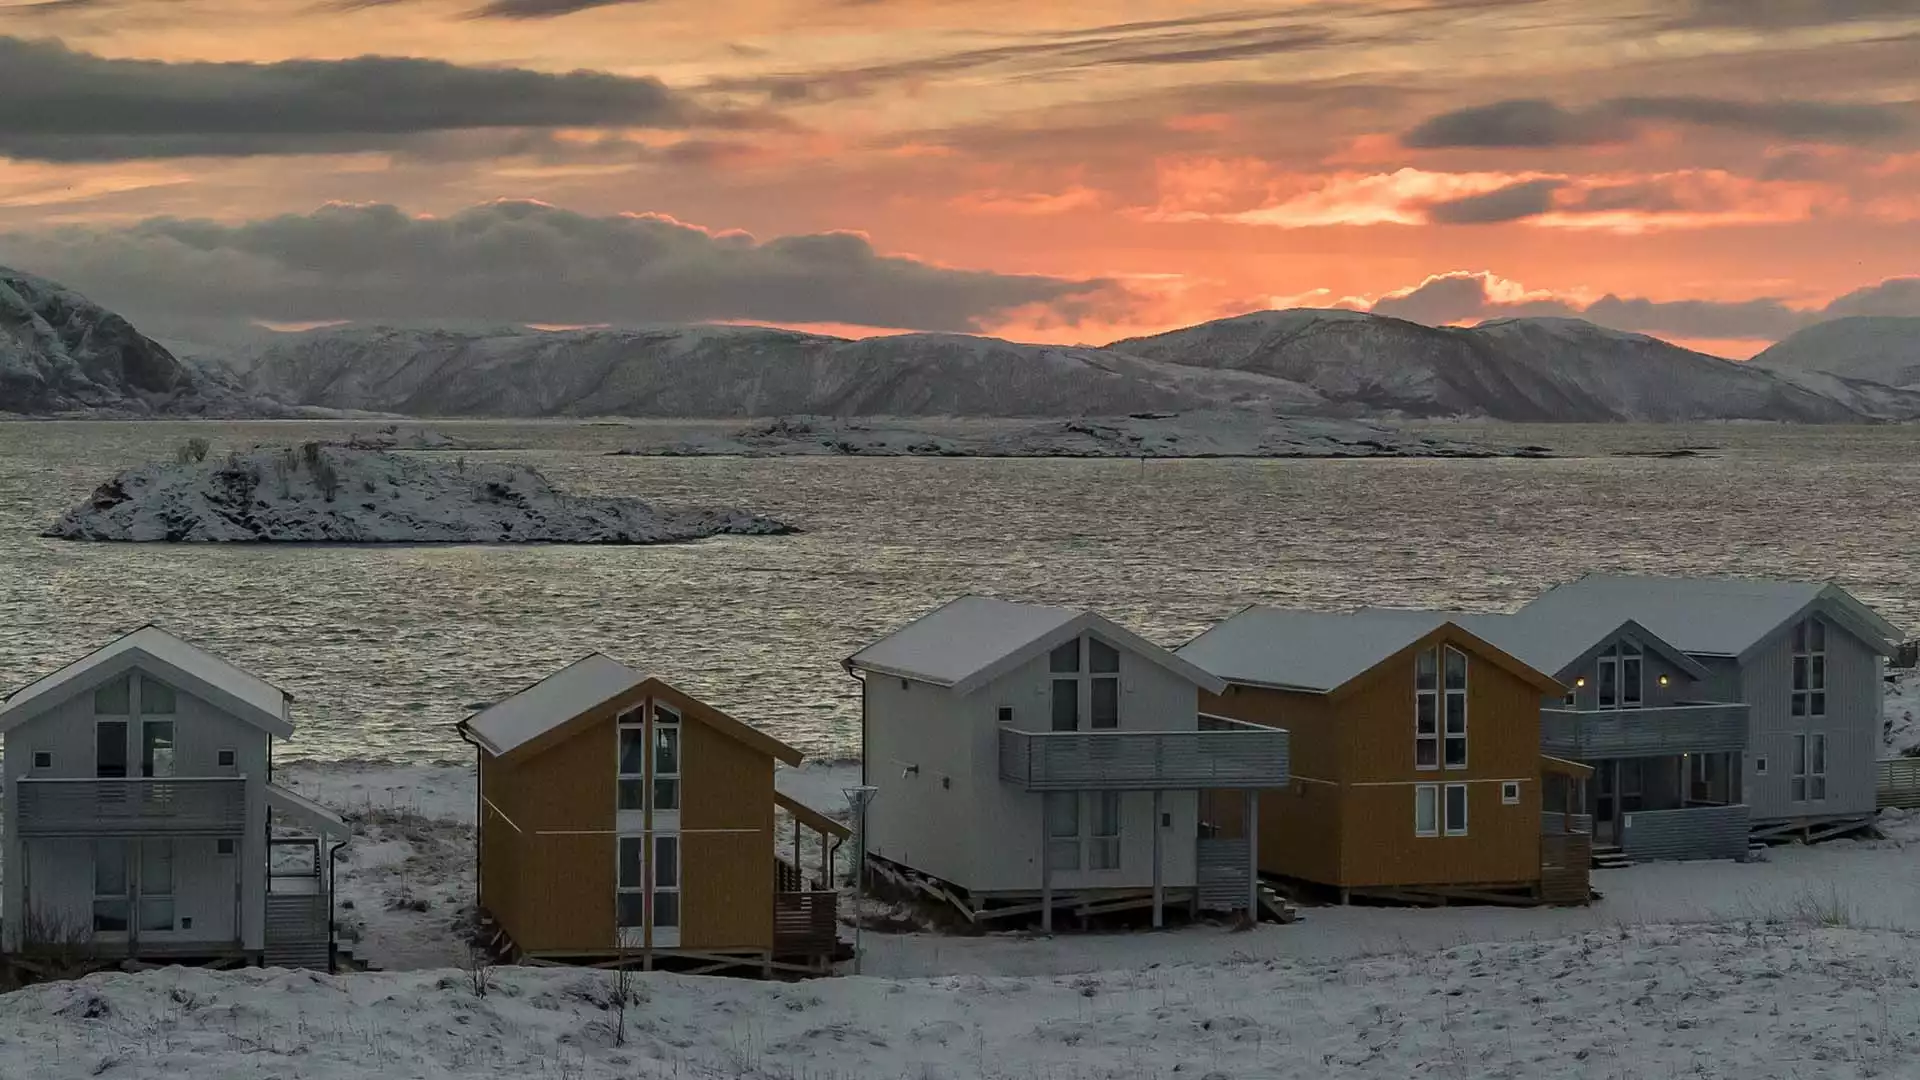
(1046, 864)
(1253, 856)
(1159, 888)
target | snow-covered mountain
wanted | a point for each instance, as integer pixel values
(1507, 369)
(60, 352)
(1878, 348)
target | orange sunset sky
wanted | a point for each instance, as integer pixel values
(1717, 172)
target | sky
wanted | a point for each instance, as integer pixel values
(1714, 172)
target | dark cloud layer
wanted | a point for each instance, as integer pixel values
(1463, 297)
(504, 9)
(66, 105)
(514, 262)
(1785, 14)
(1537, 123)
(1511, 203)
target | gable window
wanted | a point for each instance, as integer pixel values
(156, 698)
(1426, 710)
(114, 698)
(1086, 684)
(1456, 711)
(633, 760)
(1065, 660)
(1622, 676)
(1426, 809)
(110, 749)
(1103, 662)
(666, 758)
(1456, 805)
(1810, 668)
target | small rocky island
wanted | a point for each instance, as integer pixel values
(1225, 433)
(318, 493)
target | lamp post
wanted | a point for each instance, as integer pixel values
(857, 799)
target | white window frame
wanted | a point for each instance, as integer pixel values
(1797, 778)
(1510, 793)
(1809, 675)
(1446, 802)
(42, 759)
(1060, 840)
(1447, 696)
(665, 935)
(632, 720)
(1431, 697)
(1103, 848)
(1760, 765)
(630, 936)
(1633, 673)
(1085, 680)
(232, 756)
(1093, 851)
(1817, 766)
(125, 897)
(1429, 794)
(666, 718)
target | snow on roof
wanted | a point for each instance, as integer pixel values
(306, 811)
(1706, 616)
(1551, 640)
(258, 700)
(592, 680)
(960, 638)
(1309, 650)
(974, 639)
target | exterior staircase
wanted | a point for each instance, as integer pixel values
(1610, 857)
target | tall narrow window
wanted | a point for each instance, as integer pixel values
(1797, 784)
(1426, 710)
(156, 747)
(666, 882)
(630, 887)
(1456, 809)
(156, 698)
(1426, 809)
(633, 760)
(110, 887)
(1633, 785)
(1065, 660)
(1816, 767)
(113, 698)
(1103, 851)
(1456, 687)
(666, 758)
(1103, 662)
(156, 885)
(110, 749)
(1810, 668)
(1063, 830)
(1608, 691)
(1631, 663)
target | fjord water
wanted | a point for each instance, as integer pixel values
(385, 648)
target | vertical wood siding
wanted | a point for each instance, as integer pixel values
(1852, 726)
(558, 875)
(726, 887)
(1300, 825)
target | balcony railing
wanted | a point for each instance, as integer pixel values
(1696, 832)
(1650, 732)
(170, 806)
(1553, 823)
(1222, 754)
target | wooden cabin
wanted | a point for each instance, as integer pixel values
(623, 821)
(1416, 766)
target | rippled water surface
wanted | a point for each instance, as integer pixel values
(385, 648)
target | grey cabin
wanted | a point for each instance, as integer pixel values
(141, 821)
(1806, 659)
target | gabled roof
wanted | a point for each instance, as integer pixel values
(585, 685)
(306, 811)
(194, 669)
(1551, 640)
(967, 643)
(1713, 616)
(1321, 651)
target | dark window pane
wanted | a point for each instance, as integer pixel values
(112, 698)
(1819, 753)
(156, 868)
(1426, 753)
(110, 749)
(1424, 719)
(633, 794)
(1456, 807)
(109, 916)
(666, 794)
(666, 910)
(1799, 754)
(1819, 674)
(1456, 751)
(1066, 704)
(109, 868)
(1065, 659)
(633, 751)
(1630, 681)
(156, 913)
(666, 749)
(1063, 814)
(1456, 670)
(1800, 637)
(632, 908)
(1456, 714)
(1106, 703)
(1819, 635)
(1817, 704)
(631, 866)
(1102, 657)
(1799, 789)
(1423, 670)
(1799, 705)
(156, 699)
(1799, 673)
(666, 862)
(1609, 684)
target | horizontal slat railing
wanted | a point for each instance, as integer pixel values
(1553, 823)
(1899, 782)
(1697, 832)
(806, 922)
(1221, 868)
(168, 806)
(1223, 754)
(1649, 732)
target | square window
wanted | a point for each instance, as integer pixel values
(631, 910)
(1456, 751)
(1456, 806)
(666, 910)
(1760, 766)
(666, 794)
(1006, 714)
(43, 759)
(226, 758)
(1510, 792)
(1425, 754)
(633, 794)
(1102, 658)
(1426, 810)
(223, 847)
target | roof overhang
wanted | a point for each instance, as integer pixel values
(1453, 632)
(1838, 605)
(1099, 625)
(306, 811)
(17, 710)
(1687, 664)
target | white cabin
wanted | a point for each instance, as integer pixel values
(139, 812)
(1023, 751)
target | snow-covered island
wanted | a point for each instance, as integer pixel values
(1223, 433)
(318, 493)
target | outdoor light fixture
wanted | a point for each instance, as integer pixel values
(1663, 680)
(1581, 681)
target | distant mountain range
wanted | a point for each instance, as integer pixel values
(1880, 349)
(61, 353)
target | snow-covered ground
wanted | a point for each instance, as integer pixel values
(1754, 1001)
(1901, 735)
(1210, 433)
(332, 494)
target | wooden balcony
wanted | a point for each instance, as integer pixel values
(1591, 735)
(170, 806)
(806, 923)
(1222, 754)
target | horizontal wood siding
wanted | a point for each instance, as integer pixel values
(1300, 826)
(1701, 832)
(1566, 865)
(726, 822)
(1899, 783)
(1222, 868)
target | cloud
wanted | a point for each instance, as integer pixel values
(1514, 202)
(1471, 296)
(66, 105)
(1785, 14)
(1532, 123)
(518, 262)
(504, 9)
